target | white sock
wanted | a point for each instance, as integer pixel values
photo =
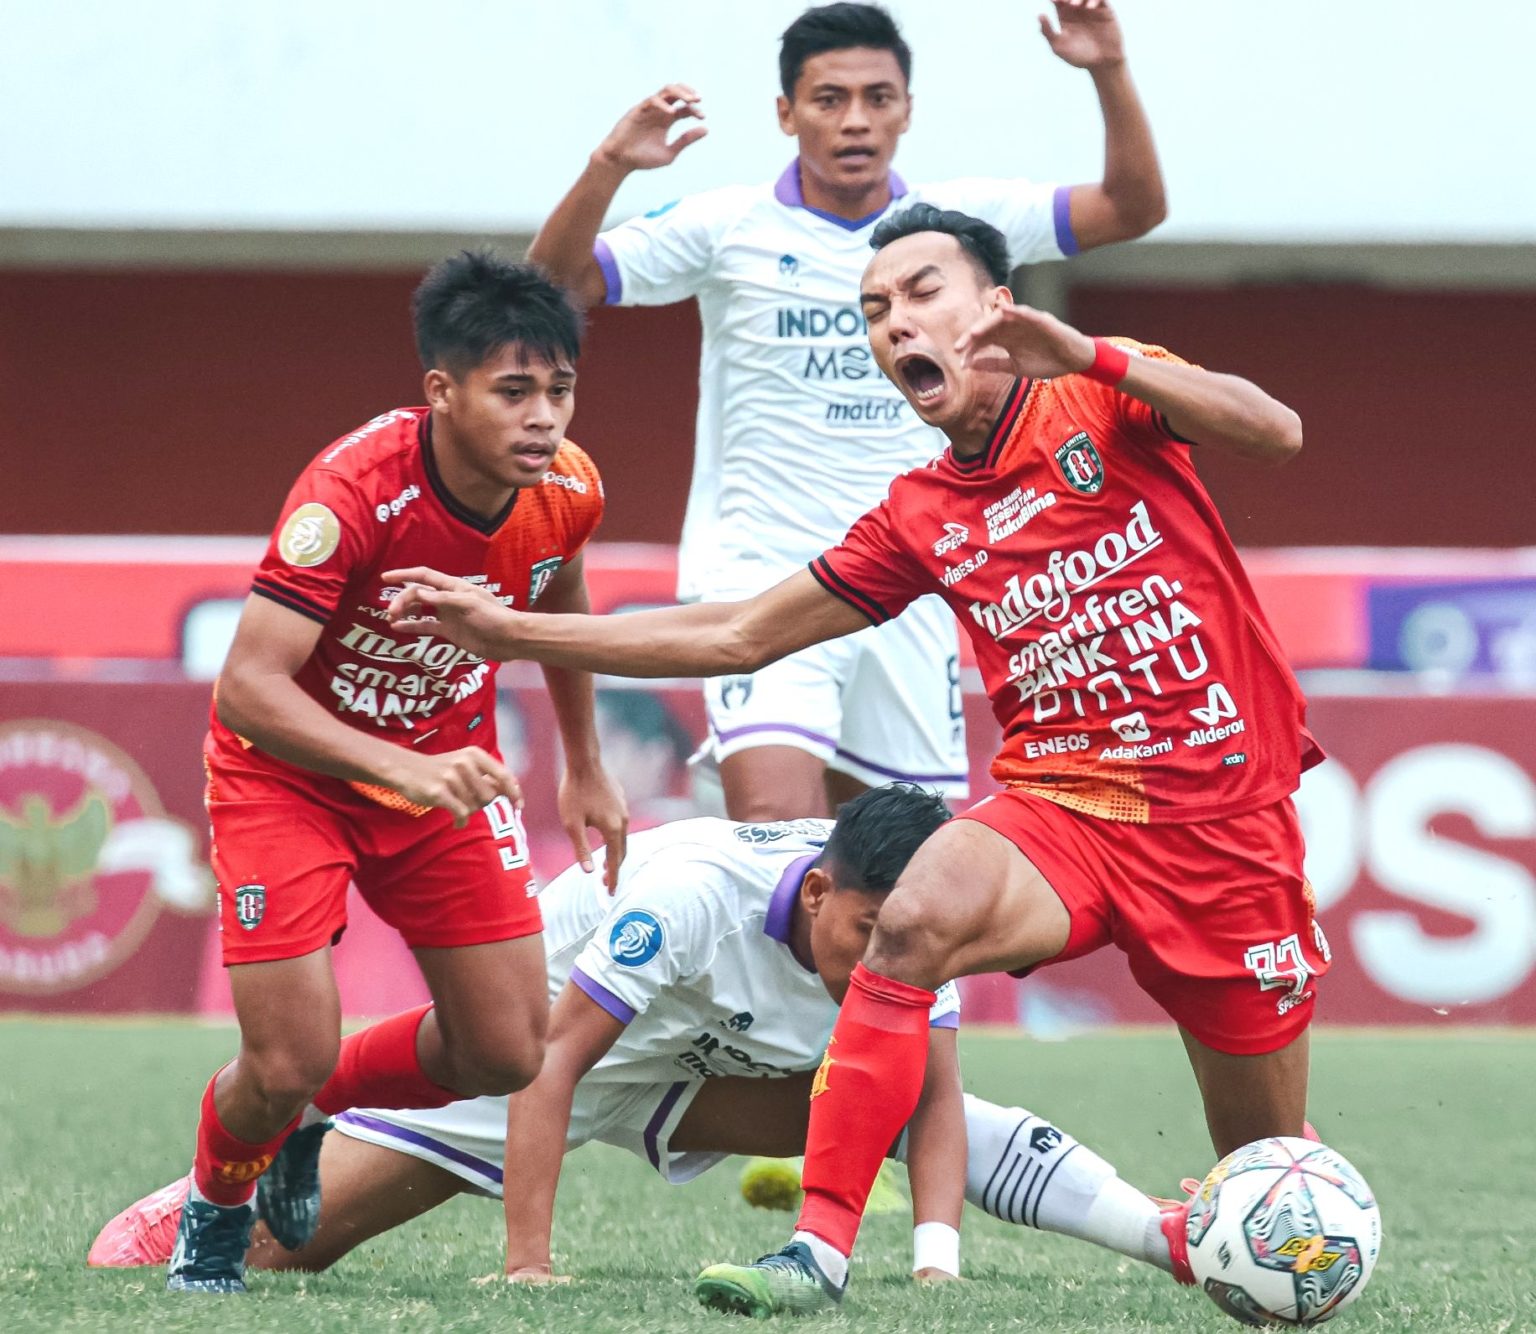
(834, 1264)
(1024, 1170)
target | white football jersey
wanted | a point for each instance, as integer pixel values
(692, 953)
(798, 433)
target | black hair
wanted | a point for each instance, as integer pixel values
(876, 834)
(839, 27)
(474, 304)
(987, 247)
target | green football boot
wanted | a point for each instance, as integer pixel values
(788, 1282)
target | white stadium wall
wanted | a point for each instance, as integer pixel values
(1312, 121)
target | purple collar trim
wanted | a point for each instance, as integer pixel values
(788, 192)
(781, 907)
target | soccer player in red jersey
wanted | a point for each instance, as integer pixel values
(342, 751)
(1152, 733)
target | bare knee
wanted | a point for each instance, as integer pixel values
(906, 943)
(494, 1067)
(285, 1078)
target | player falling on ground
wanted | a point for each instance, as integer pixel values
(689, 1012)
(340, 751)
(1152, 733)
(798, 434)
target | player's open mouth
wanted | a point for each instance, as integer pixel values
(854, 154)
(534, 454)
(923, 377)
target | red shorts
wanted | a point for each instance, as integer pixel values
(287, 843)
(1215, 917)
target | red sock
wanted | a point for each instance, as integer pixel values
(864, 1093)
(225, 1168)
(378, 1067)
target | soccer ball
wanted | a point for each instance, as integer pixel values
(1283, 1232)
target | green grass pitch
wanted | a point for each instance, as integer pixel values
(94, 1114)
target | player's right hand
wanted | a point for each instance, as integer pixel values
(466, 614)
(460, 782)
(639, 141)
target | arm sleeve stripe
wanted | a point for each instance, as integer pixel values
(1061, 216)
(284, 598)
(613, 280)
(619, 1008)
(839, 587)
(1166, 429)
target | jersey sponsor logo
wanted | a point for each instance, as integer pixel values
(953, 574)
(1056, 745)
(739, 1023)
(710, 1057)
(636, 939)
(1080, 464)
(789, 267)
(1133, 727)
(365, 430)
(955, 535)
(1051, 592)
(1006, 516)
(250, 905)
(541, 572)
(819, 321)
(866, 410)
(565, 482)
(1218, 705)
(1138, 752)
(1206, 736)
(1241, 757)
(387, 510)
(310, 536)
(88, 858)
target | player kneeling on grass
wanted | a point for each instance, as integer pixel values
(690, 1011)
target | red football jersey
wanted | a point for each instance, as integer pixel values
(373, 501)
(1125, 655)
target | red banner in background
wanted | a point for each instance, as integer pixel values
(1421, 832)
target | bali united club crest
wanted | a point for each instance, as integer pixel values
(87, 858)
(1081, 465)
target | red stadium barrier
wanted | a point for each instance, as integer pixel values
(1421, 833)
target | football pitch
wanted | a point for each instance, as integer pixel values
(92, 1115)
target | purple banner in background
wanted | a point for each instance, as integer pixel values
(1455, 630)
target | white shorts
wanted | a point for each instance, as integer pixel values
(880, 705)
(469, 1138)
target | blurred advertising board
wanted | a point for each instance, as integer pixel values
(1421, 832)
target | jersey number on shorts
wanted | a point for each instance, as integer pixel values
(1280, 963)
(505, 822)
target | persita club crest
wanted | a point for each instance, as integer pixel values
(87, 857)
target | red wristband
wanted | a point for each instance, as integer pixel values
(1110, 363)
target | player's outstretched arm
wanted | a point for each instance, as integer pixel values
(637, 143)
(1130, 201)
(538, 1120)
(704, 639)
(258, 699)
(936, 1162)
(1219, 411)
(588, 797)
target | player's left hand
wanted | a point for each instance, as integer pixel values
(589, 799)
(466, 614)
(1089, 36)
(1024, 341)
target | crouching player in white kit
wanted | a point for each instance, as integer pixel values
(690, 1012)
